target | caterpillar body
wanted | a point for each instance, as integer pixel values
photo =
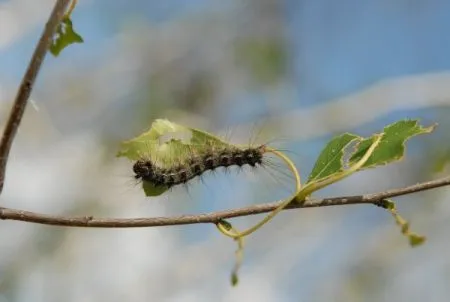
(149, 171)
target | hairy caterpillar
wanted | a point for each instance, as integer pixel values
(181, 173)
(169, 154)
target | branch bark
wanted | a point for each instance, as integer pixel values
(214, 217)
(27, 84)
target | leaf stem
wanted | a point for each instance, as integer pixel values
(284, 204)
(225, 227)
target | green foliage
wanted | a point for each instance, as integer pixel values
(65, 36)
(391, 148)
(329, 167)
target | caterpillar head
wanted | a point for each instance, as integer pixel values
(254, 156)
(143, 169)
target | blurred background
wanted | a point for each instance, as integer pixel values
(295, 73)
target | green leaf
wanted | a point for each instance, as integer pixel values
(330, 160)
(392, 145)
(416, 240)
(153, 139)
(168, 143)
(64, 36)
(234, 279)
(166, 140)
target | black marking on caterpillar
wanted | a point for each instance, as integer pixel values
(148, 171)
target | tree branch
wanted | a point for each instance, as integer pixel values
(89, 221)
(27, 83)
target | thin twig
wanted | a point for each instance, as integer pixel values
(89, 221)
(27, 83)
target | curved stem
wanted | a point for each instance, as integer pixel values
(291, 166)
(301, 194)
(283, 205)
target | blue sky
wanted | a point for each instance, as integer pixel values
(336, 48)
(340, 47)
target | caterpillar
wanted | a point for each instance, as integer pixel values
(181, 173)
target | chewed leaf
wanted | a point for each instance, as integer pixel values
(64, 36)
(166, 140)
(201, 137)
(161, 136)
(392, 145)
(330, 160)
(166, 144)
(161, 127)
